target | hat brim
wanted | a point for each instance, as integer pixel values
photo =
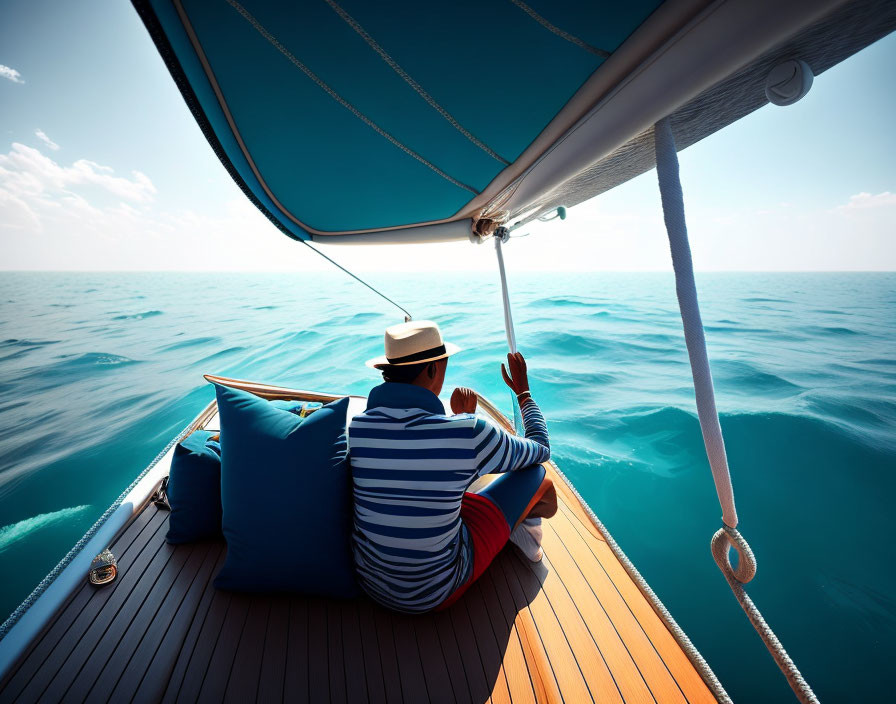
(380, 362)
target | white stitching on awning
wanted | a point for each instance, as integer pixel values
(554, 29)
(339, 99)
(393, 64)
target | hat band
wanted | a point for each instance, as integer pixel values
(417, 356)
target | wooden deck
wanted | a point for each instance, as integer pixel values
(574, 628)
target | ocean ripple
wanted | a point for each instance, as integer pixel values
(138, 316)
(191, 342)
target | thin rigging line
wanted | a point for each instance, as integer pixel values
(559, 32)
(356, 278)
(355, 25)
(338, 98)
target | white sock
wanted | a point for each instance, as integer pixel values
(527, 537)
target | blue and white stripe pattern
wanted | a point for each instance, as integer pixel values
(411, 464)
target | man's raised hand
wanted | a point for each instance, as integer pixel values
(463, 400)
(518, 379)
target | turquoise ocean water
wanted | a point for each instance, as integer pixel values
(99, 371)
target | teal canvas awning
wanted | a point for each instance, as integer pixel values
(362, 121)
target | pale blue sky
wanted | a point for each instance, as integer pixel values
(120, 176)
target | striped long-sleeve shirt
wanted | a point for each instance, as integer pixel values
(411, 464)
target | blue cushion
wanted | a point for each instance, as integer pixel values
(286, 494)
(194, 489)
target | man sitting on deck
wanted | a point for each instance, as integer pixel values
(421, 539)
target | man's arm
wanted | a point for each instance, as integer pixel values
(497, 451)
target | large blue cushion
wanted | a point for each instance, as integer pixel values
(194, 489)
(286, 494)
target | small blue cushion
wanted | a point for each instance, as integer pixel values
(194, 489)
(286, 494)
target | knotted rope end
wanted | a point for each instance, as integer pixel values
(723, 541)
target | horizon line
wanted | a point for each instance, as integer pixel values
(453, 271)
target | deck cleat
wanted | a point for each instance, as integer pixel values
(103, 569)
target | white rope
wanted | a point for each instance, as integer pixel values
(727, 537)
(505, 297)
(500, 235)
(686, 288)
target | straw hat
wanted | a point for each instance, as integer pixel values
(412, 343)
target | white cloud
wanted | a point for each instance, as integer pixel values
(84, 216)
(864, 201)
(11, 74)
(25, 171)
(42, 136)
(17, 215)
(69, 216)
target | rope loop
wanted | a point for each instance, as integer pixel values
(723, 541)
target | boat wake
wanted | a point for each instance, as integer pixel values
(17, 531)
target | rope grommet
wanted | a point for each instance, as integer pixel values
(722, 542)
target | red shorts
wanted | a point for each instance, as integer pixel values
(489, 533)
